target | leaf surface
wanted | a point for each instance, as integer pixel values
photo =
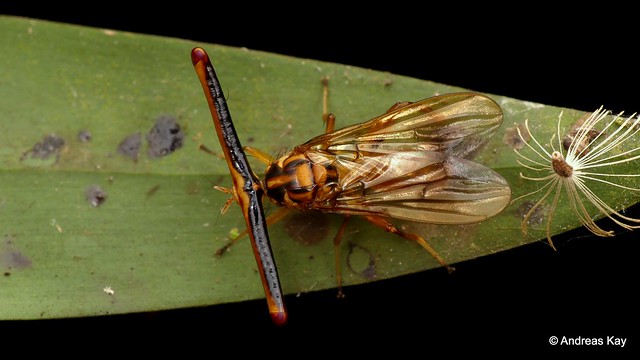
(151, 244)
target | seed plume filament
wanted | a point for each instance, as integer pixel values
(567, 168)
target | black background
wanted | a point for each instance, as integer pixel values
(515, 298)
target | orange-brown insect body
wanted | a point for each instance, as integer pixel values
(296, 181)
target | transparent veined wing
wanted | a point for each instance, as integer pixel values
(423, 186)
(455, 124)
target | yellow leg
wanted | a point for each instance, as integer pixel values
(336, 246)
(389, 227)
(331, 122)
(398, 105)
(202, 147)
(259, 154)
(271, 219)
(328, 119)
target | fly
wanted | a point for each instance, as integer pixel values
(406, 164)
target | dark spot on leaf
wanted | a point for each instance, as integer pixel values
(49, 145)
(538, 215)
(95, 195)
(84, 136)
(513, 139)
(7, 273)
(307, 229)
(581, 148)
(164, 137)
(130, 146)
(361, 261)
(152, 191)
(192, 188)
(10, 257)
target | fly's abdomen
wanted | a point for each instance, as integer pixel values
(295, 181)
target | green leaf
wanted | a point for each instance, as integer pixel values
(151, 244)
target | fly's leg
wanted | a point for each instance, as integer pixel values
(337, 240)
(262, 156)
(258, 154)
(328, 119)
(229, 201)
(389, 227)
(331, 121)
(271, 219)
(398, 105)
(202, 147)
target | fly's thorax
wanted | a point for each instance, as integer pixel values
(294, 180)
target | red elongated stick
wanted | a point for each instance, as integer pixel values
(246, 186)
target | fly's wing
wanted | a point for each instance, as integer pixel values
(423, 186)
(455, 124)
